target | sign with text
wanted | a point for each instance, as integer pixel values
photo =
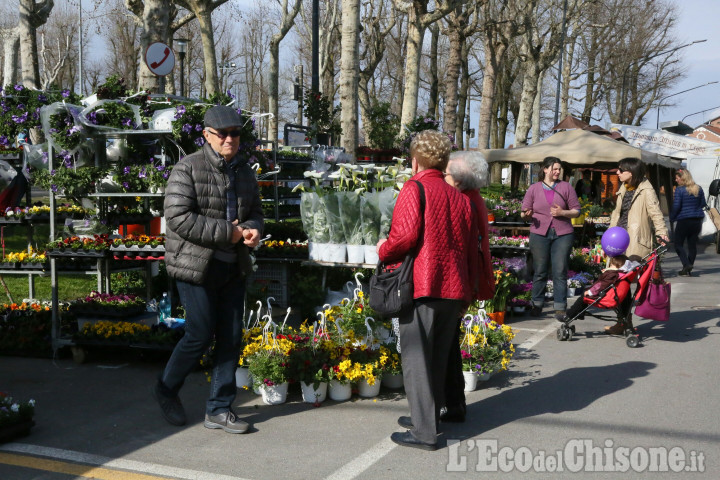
(666, 143)
(160, 59)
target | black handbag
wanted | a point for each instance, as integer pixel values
(392, 292)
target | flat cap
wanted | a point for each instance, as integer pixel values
(220, 117)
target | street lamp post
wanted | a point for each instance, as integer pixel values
(701, 111)
(627, 69)
(657, 120)
(182, 50)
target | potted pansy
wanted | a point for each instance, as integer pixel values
(16, 417)
(269, 367)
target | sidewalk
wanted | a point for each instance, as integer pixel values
(663, 394)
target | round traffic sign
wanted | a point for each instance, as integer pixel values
(160, 58)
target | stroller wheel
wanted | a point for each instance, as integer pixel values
(632, 341)
(572, 328)
(570, 332)
(562, 333)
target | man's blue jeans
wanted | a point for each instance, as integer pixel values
(550, 252)
(212, 310)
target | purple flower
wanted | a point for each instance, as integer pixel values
(179, 111)
(92, 117)
(21, 106)
(200, 141)
(20, 119)
(66, 93)
(127, 122)
(126, 171)
(42, 98)
(160, 167)
(198, 127)
(187, 128)
(143, 173)
(126, 185)
(19, 87)
(54, 188)
(4, 141)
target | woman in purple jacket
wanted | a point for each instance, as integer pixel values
(550, 204)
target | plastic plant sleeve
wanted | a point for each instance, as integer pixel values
(349, 207)
(332, 210)
(387, 205)
(307, 214)
(98, 106)
(370, 217)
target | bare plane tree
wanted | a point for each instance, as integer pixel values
(32, 16)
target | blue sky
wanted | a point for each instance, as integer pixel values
(698, 20)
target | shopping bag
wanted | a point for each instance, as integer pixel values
(715, 215)
(656, 303)
(708, 225)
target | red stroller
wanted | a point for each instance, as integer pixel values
(613, 296)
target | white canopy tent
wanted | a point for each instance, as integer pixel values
(578, 147)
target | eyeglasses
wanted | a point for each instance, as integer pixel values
(621, 170)
(222, 135)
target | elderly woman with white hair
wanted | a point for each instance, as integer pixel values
(468, 172)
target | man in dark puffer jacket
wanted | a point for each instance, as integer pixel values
(214, 216)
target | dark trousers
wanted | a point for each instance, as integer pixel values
(426, 334)
(687, 229)
(454, 379)
(212, 310)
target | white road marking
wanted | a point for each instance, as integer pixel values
(100, 461)
(535, 338)
(364, 461)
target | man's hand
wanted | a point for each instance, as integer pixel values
(252, 237)
(237, 233)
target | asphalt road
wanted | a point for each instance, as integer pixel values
(564, 410)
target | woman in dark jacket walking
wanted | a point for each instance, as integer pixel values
(688, 205)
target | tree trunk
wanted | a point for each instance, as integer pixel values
(32, 16)
(536, 118)
(288, 20)
(156, 20)
(416, 31)
(530, 83)
(11, 49)
(434, 95)
(208, 42)
(463, 102)
(452, 74)
(349, 69)
(493, 54)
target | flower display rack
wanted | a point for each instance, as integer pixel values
(273, 277)
(79, 252)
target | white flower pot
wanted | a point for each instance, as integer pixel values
(484, 377)
(393, 381)
(316, 251)
(335, 253)
(339, 391)
(366, 390)
(471, 379)
(310, 395)
(371, 255)
(274, 395)
(242, 377)
(356, 254)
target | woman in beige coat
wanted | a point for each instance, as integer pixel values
(637, 210)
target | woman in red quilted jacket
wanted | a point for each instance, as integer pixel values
(442, 237)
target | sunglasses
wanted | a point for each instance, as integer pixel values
(222, 135)
(622, 170)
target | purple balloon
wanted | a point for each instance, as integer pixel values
(615, 241)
